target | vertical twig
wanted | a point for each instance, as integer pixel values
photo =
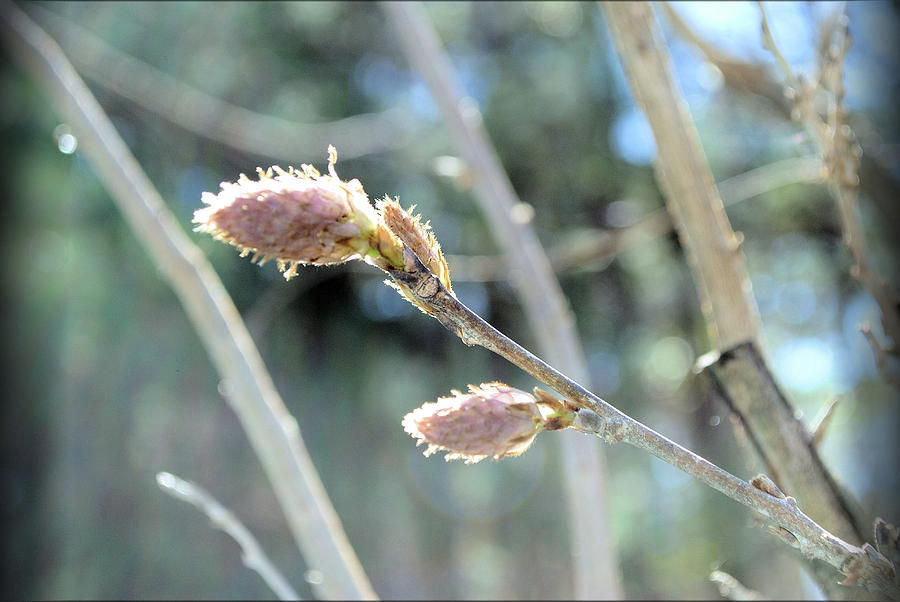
(222, 518)
(272, 431)
(836, 143)
(711, 246)
(548, 312)
(713, 252)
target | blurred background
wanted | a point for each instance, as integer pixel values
(108, 384)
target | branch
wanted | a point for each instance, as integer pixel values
(252, 554)
(211, 117)
(865, 566)
(755, 78)
(547, 309)
(732, 589)
(716, 261)
(272, 431)
(738, 73)
(712, 249)
(836, 142)
(597, 247)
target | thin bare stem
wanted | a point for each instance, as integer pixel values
(755, 78)
(836, 142)
(548, 312)
(252, 554)
(862, 565)
(210, 117)
(272, 431)
(732, 589)
(597, 247)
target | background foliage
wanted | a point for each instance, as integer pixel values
(108, 384)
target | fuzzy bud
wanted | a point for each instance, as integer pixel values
(417, 237)
(492, 419)
(299, 218)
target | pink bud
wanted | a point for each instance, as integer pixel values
(491, 420)
(298, 218)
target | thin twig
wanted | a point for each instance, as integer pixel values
(210, 117)
(820, 426)
(546, 308)
(732, 589)
(597, 247)
(737, 73)
(252, 554)
(881, 357)
(864, 566)
(836, 142)
(755, 78)
(272, 431)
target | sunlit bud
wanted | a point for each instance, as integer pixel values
(299, 217)
(491, 420)
(417, 237)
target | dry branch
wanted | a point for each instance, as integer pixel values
(716, 261)
(756, 78)
(272, 431)
(252, 554)
(595, 248)
(836, 142)
(210, 117)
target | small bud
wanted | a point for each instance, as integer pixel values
(493, 420)
(417, 237)
(299, 218)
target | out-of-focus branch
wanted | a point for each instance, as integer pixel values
(712, 249)
(835, 140)
(252, 554)
(738, 74)
(272, 431)
(211, 117)
(756, 78)
(732, 589)
(881, 357)
(596, 248)
(549, 315)
(739, 373)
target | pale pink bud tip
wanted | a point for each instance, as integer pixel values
(292, 217)
(492, 420)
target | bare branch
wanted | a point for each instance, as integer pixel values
(836, 142)
(213, 118)
(594, 249)
(252, 554)
(738, 73)
(547, 309)
(272, 431)
(864, 566)
(881, 357)
(755, 78)
(714, 256)
(712, 249)
(732, 589)
(821, 424)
